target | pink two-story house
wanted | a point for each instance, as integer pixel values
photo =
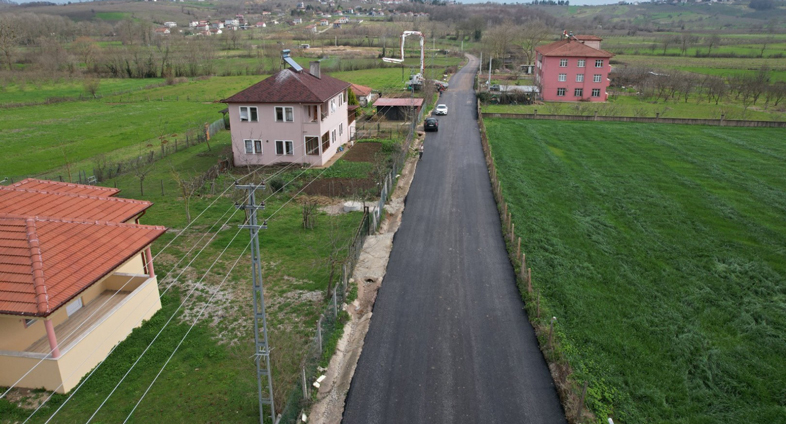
(293, 116)
(573, 69)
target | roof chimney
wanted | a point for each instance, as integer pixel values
(314, 69)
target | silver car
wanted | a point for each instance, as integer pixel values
(441, 110)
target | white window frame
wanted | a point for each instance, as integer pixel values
(287, 113)
(74, 306)
(340, 129)
(288, 148)
(581, 63)
(578, 92)
(579, 77)
(305, 145)
(596, 90)
(562, 92)
(256, 146)
(562, 77)
(29, 321)
(340, 99)
(250, 112)
(332, 105)
(563, 63)
(333, 137)
(597, 78)
(599, 63)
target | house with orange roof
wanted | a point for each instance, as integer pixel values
(364, 94)
(573, 69)
(76, 276)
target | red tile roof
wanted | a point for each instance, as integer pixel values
(360, 90)
(26, 202)
(60, 187)
(404, 101)
(289, 86)
(569, 48)
(46, 262)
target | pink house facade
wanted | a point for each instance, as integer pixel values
(573, 69)
(293, 116)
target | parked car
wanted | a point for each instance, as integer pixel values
(431, 124)
(494, 87)
(441, 110)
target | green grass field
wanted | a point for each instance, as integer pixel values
(660, 249)
(40, 91)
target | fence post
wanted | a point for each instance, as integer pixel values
(335, 303)
(305, 384)
(518, 248)
(537, 303)
(319, 336)
(551, 330)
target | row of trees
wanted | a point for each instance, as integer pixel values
(681, 86)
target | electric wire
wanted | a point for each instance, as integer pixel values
(171, 285)
(196, 320)
(118, 290)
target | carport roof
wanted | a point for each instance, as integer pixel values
(403, 101)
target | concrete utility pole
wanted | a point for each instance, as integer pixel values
(260, 339)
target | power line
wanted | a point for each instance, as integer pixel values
(196, 320)
(124, 285)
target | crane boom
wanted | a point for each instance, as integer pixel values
(404, 36)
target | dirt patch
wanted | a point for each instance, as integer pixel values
(340, 187)
(26, 398)
(363, 152)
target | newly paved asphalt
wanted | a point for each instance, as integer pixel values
(449, 341)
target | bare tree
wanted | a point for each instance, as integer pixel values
(686, 41)
(715, 88)
(714, 40)
(86, 49)
(187, 186)
(669, 40)
(91, 85)
(775, 93)
(498, 39)
(143, 166)
(532, 34)
(9, 34)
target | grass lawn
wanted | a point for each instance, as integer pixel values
(661, 251)
(89, 128)
(634, 106)
(39, 91)
(211, 378)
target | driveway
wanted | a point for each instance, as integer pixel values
(449, 341)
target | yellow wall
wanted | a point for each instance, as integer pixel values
(134, 265)
(15, 337)
(79, 359)
(14, 334)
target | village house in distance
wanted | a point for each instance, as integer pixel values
(573, 69)
(293, 116)
(76, 276)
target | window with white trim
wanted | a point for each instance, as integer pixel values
(562, 77)
(580, 63)
(332, 105)
(579, 77)
(312, 145)
(563, 63)
(599, 63)
(596, 78)
(341, 99)
(333, 138)
(340, 129)
(285, 114)
(285, 147)
(253, 146)
(596, 92)
(248, 114)
(560, 92)
(578, 92)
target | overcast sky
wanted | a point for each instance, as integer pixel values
(572, 2)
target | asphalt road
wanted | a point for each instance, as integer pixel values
(449, 340)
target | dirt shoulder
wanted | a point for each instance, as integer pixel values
(368, 275)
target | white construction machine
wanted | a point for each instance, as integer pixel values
(415, 81)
